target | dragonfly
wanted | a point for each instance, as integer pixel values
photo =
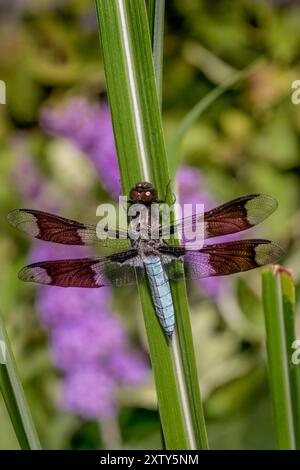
(155, 258)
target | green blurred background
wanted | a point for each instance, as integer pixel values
(247, 141)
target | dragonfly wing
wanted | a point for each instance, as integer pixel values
(56, 229)
(85, 272)
(222, 259)
(231, 217)
(238, 215)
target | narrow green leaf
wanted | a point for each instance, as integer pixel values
(193, 115)
(278, 348)
(156, 16)
(13, 394)
(288, 299)
(134, 104)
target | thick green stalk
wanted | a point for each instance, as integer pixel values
(280, 330)
(13, 394)
(126, 48)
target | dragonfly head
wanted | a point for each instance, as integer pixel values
(143, 192)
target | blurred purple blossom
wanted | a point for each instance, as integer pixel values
(90, 392)
(88, 342)
(89, 127)
(71, 305)
(31, 185)
(42, 251)
(190, 187)
(91, 338)
(85, 334)
(127, 367)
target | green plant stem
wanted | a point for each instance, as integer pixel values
(289, 301)
(128, 62)
(14, 397)
(156, 16)
(275, 301)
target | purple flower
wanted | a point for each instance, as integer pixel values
(189, 182)
(89, 343)
(90, 338)
(28, 179)
(128, 367)
(89, 392)
(89, 127)
(42, 251)
(58, 306)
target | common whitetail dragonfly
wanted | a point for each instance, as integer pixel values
(155, 257)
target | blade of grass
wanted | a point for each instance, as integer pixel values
(289, 301)
(182, 344)
(123, 102)
(126, 49)
(156, 16)
(275, 308)
(14, 397)
(173, 146)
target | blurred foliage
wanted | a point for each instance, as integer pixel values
(248, 141)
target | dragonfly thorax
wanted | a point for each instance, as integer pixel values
(147, 247)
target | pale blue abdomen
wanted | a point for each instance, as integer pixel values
(161, 293)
